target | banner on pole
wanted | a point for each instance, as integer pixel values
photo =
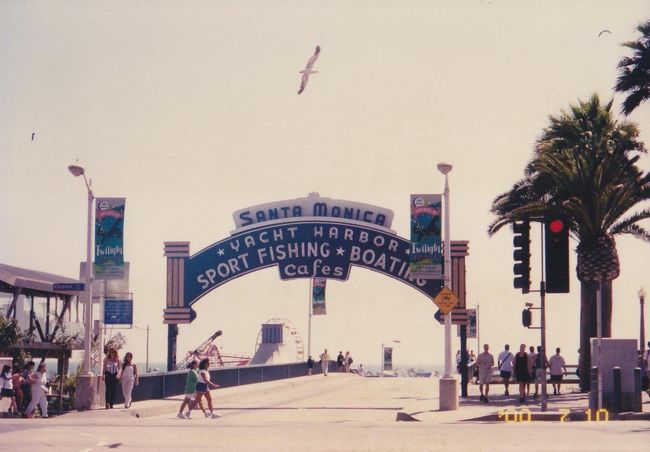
(318, 296)
(471, 323)
(109, 238)
(388, 358)
(425, 254)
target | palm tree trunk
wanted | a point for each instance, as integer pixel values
(587, 330)
(588, 325)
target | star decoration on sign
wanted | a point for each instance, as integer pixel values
(220, 252)
(340, 251)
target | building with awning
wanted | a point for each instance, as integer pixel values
(43, 312)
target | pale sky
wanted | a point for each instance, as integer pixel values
(190, 111)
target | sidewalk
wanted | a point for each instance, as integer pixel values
(571, 405)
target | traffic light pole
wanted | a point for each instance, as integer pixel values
(542, 299)
(542, 327)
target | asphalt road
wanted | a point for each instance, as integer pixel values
(339, 413)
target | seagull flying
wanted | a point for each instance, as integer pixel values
(604, 31)
(308, 70)
(33, 135)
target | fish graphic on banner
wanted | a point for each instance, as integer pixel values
(388, 358)
(109, 238)
(318, 296)
(425, 254)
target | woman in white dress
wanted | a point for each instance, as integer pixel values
(129, 377)
(39, 392)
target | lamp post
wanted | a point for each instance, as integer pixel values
(642, 294)
(85, 383)
(448, 389)
(88, 314)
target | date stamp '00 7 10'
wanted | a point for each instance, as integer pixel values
(525, 415)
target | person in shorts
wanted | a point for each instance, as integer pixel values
(558, 368)
(484, 363)
(541, 363)
(7, 388)
(505, 366)
(203, 386)
(190, 390)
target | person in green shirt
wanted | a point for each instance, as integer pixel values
(190, 390)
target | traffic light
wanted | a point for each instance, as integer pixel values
(556, 250)
(526, 318)
(521, 255)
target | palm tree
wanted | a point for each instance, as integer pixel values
(634, 75)
(584, 167)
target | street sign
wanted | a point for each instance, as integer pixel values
(445, 300)
(459, 316)
(76, 287)
(118, 312)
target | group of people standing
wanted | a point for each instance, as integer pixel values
(115, 371)
(197, 386)
(524, 368)
(25, 389)
(343, 362)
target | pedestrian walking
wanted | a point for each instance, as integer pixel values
(325, 362)
(484, 362)
(17, 380)
(39, 392)
(310, 365)
(203, 386)
(190, 390)
(532, 356)
(339, 361)
(541, 363)
(7, 388)
(505, 366)
(522, 371)
(110, 369)
(26, 385)
(129, 378)
(472, 366)
(347, 362)
(557, 367)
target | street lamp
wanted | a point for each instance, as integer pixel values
(445, 168)
(448, 390)
(88, 314)
(642, 294)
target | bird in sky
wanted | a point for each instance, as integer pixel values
(604, 31)
(308, 70)
(33, 135)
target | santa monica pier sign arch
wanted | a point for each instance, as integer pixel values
(310, 237)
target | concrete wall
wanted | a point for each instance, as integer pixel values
(167, 384)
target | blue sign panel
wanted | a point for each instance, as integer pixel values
(118, 312)
(302, 249)
(77, 287)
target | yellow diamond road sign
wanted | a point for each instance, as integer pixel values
(446, 300)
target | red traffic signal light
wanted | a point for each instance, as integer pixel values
(556, 250)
